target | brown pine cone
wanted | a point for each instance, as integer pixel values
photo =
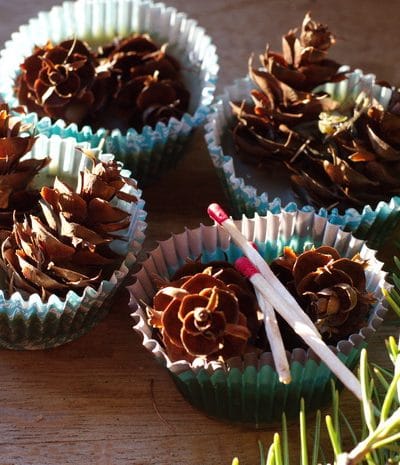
(138, 55)
(202, 312)
(361, 158)
(282, 119)
(16, 175)
(38, 260)
(268, 128)
(150, 89)
(330, 289)
(70, 248)
(57, 81)
(303, 64)
(88, 215)
(146, 100)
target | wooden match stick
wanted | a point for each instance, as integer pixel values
(259, 282)
(273, 335)
(274, 339)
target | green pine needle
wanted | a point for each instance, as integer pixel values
(285, 441)
(389, 398)
(396, 262)
(388, 440)
(316, 442)
(278, 449)
(349, 427)
(271, 455)
(262, 453)
(366, 392)
(335, 410)
(332, 435)
(303, 434)
(380, 375)
(393, 302)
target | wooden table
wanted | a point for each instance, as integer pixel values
(103, 399)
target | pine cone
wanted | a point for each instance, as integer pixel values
(70, 250)
(284, 113)
(138, 55)
(16, 175)
(330, 289)
(150, 89)
(269, 128)
(88, 214)
(201, 312)
(361, 159)
(57, 81)
(303, 64)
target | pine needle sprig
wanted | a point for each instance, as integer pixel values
(378, 443)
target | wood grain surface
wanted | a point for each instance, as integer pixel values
(103, 399)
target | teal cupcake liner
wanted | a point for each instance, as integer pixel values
(34, 324)
(151, 152)
(247, 389)
(375, 225)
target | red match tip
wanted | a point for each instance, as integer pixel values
(253, 244)
(216, 213)
(245, 267)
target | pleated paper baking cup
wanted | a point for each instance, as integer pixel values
(245, 193)
(151, 152)
(35, 324)
(247, 389)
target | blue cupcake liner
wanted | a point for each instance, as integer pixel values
(247, 389)
(34, 324)
(375, 225)
(151, 152)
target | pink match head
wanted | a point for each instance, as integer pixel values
(245, 267)
(216, 213)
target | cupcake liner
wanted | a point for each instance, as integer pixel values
(151, 152)
(247, 389)
(376, 225)
(34, 324)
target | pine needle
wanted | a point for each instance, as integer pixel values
(316, 442)
(337, 449)
(285, 441)
(278, 449)
(350, 429)
(303, 434)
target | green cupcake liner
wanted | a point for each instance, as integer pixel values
(247, 389)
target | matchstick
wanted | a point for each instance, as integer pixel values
(274, 339)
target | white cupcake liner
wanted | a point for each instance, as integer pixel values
(373, 224)
(152, 151)
(247, 389)
(34, 324)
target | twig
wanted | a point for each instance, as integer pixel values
(155, 407)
